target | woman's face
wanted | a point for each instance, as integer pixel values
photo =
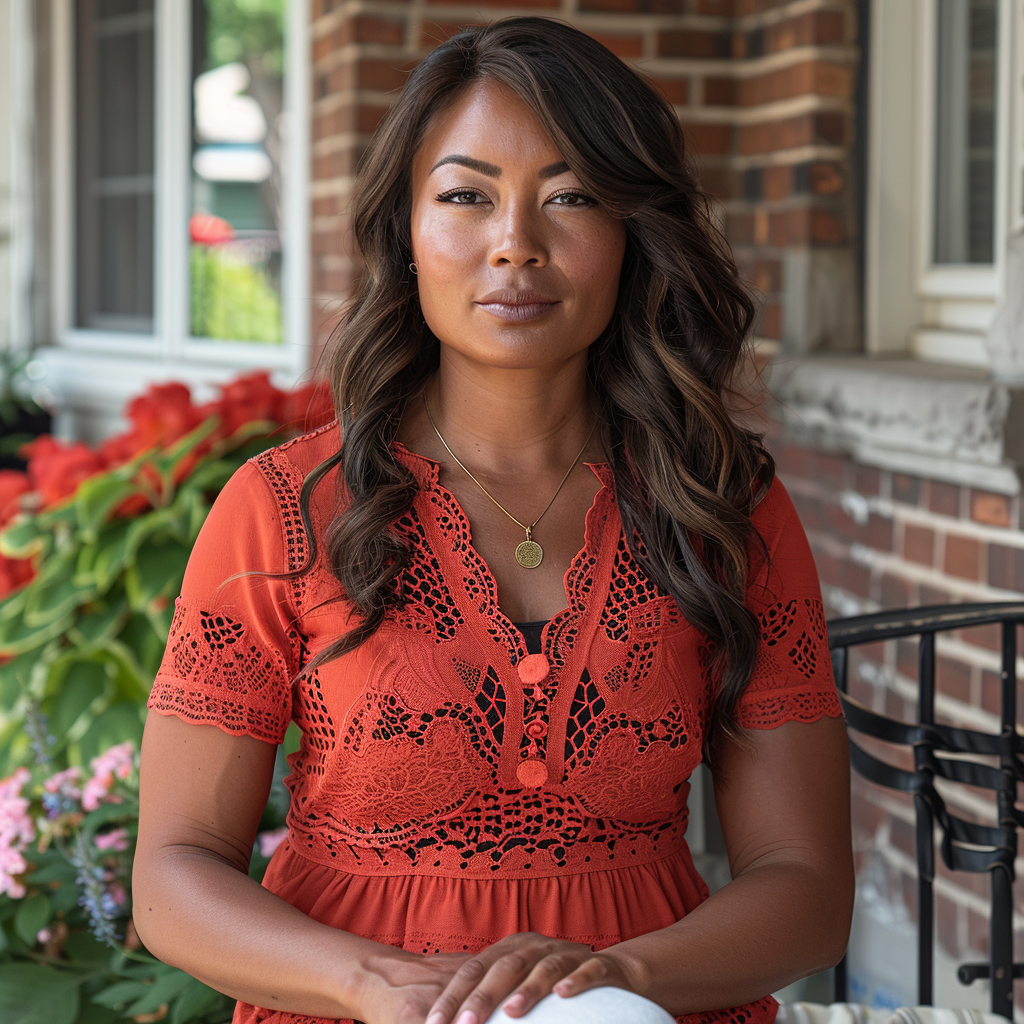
(517, 267)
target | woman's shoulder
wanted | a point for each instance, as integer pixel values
(301, 454)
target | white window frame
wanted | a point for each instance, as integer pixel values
(913, 306)
(93, 371)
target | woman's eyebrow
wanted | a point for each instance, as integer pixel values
(491, 170)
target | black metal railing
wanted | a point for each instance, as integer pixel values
(944, 752)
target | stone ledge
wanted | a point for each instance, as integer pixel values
(947, 423)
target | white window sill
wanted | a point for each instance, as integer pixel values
(944, 422)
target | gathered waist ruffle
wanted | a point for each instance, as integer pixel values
(437, 914)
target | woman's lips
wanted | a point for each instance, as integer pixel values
(517, 311)
(516, 306)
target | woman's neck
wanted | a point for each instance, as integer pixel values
(497, 418)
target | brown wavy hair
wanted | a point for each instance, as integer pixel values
(687, 476)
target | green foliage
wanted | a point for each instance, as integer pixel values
(232, 299)
(247, 31)
(86, 635)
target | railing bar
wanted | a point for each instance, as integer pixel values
(840, 667)
(1009, 677)
(926, 679)
(924, 841)
(1001, 943)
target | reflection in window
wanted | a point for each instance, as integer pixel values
(235, 225)
(965, 131)
(114, 164)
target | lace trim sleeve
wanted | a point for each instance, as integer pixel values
(233, 648)
(792, 678)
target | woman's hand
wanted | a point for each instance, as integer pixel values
(517, 972)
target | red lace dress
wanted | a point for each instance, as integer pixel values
(451, 788)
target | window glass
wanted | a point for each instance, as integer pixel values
(235, 222)
(114, 164)
(965, 131)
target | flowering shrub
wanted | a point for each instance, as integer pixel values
(93, 549)
(67, 839)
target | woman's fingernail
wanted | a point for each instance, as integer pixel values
(466, 1017)
(435, 1018)
(515, 1003)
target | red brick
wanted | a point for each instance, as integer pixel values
(919, 544)
(770, 324)
(720, 92)
(628, 6)
(762, 225)
(675, 90)
(694, 43)
(369, 28)
(991, 692)
(383, 75)
(934, 595)
(906, 488)
(794, 461)
(993, 509)
(944, 498)
(713, 139)
(777, 182)
(767, 275)
(831, 470)
(433, 33)
(726, 8)
(827, 227)
(946, 930)
(989, 637)
(896, 592)
(868, 480)
(821, 27)
(878, 533)
(817, 78)
(953, 678)
(519, 3)
(827, 178)
(978, 933)
(964, 557)
(1006, 567)
(621, 45)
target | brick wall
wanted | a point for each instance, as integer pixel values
(764, 88)
(892, 540)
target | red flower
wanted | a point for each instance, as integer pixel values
(245, 399)
(206, 229)
(308, 407)
(13, 484)
(55, 469)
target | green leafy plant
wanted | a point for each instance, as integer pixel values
(93, 550)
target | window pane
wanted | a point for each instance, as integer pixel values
(114, 173)
(235, 226)
(965, 131)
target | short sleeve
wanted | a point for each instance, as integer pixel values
(233, 648)
(792, 678)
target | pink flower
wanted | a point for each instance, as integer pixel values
(16, 832)
(65, 782)
(115, 763)
(116, 839)
(116, 892)
(270, 841)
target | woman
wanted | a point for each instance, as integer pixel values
(541, 573)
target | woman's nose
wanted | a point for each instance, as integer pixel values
(519, 239)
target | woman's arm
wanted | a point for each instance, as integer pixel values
(202, 794)
(783, 797)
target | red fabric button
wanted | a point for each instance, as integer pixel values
(532, 773)
(536, 729)
(534, 668)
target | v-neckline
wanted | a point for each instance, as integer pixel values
(603, 473)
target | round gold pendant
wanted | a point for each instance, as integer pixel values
(529, 554)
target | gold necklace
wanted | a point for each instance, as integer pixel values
(529, 553)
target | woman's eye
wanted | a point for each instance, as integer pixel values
(572, 199)
(461, 197)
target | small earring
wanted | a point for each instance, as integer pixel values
(414, 268)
